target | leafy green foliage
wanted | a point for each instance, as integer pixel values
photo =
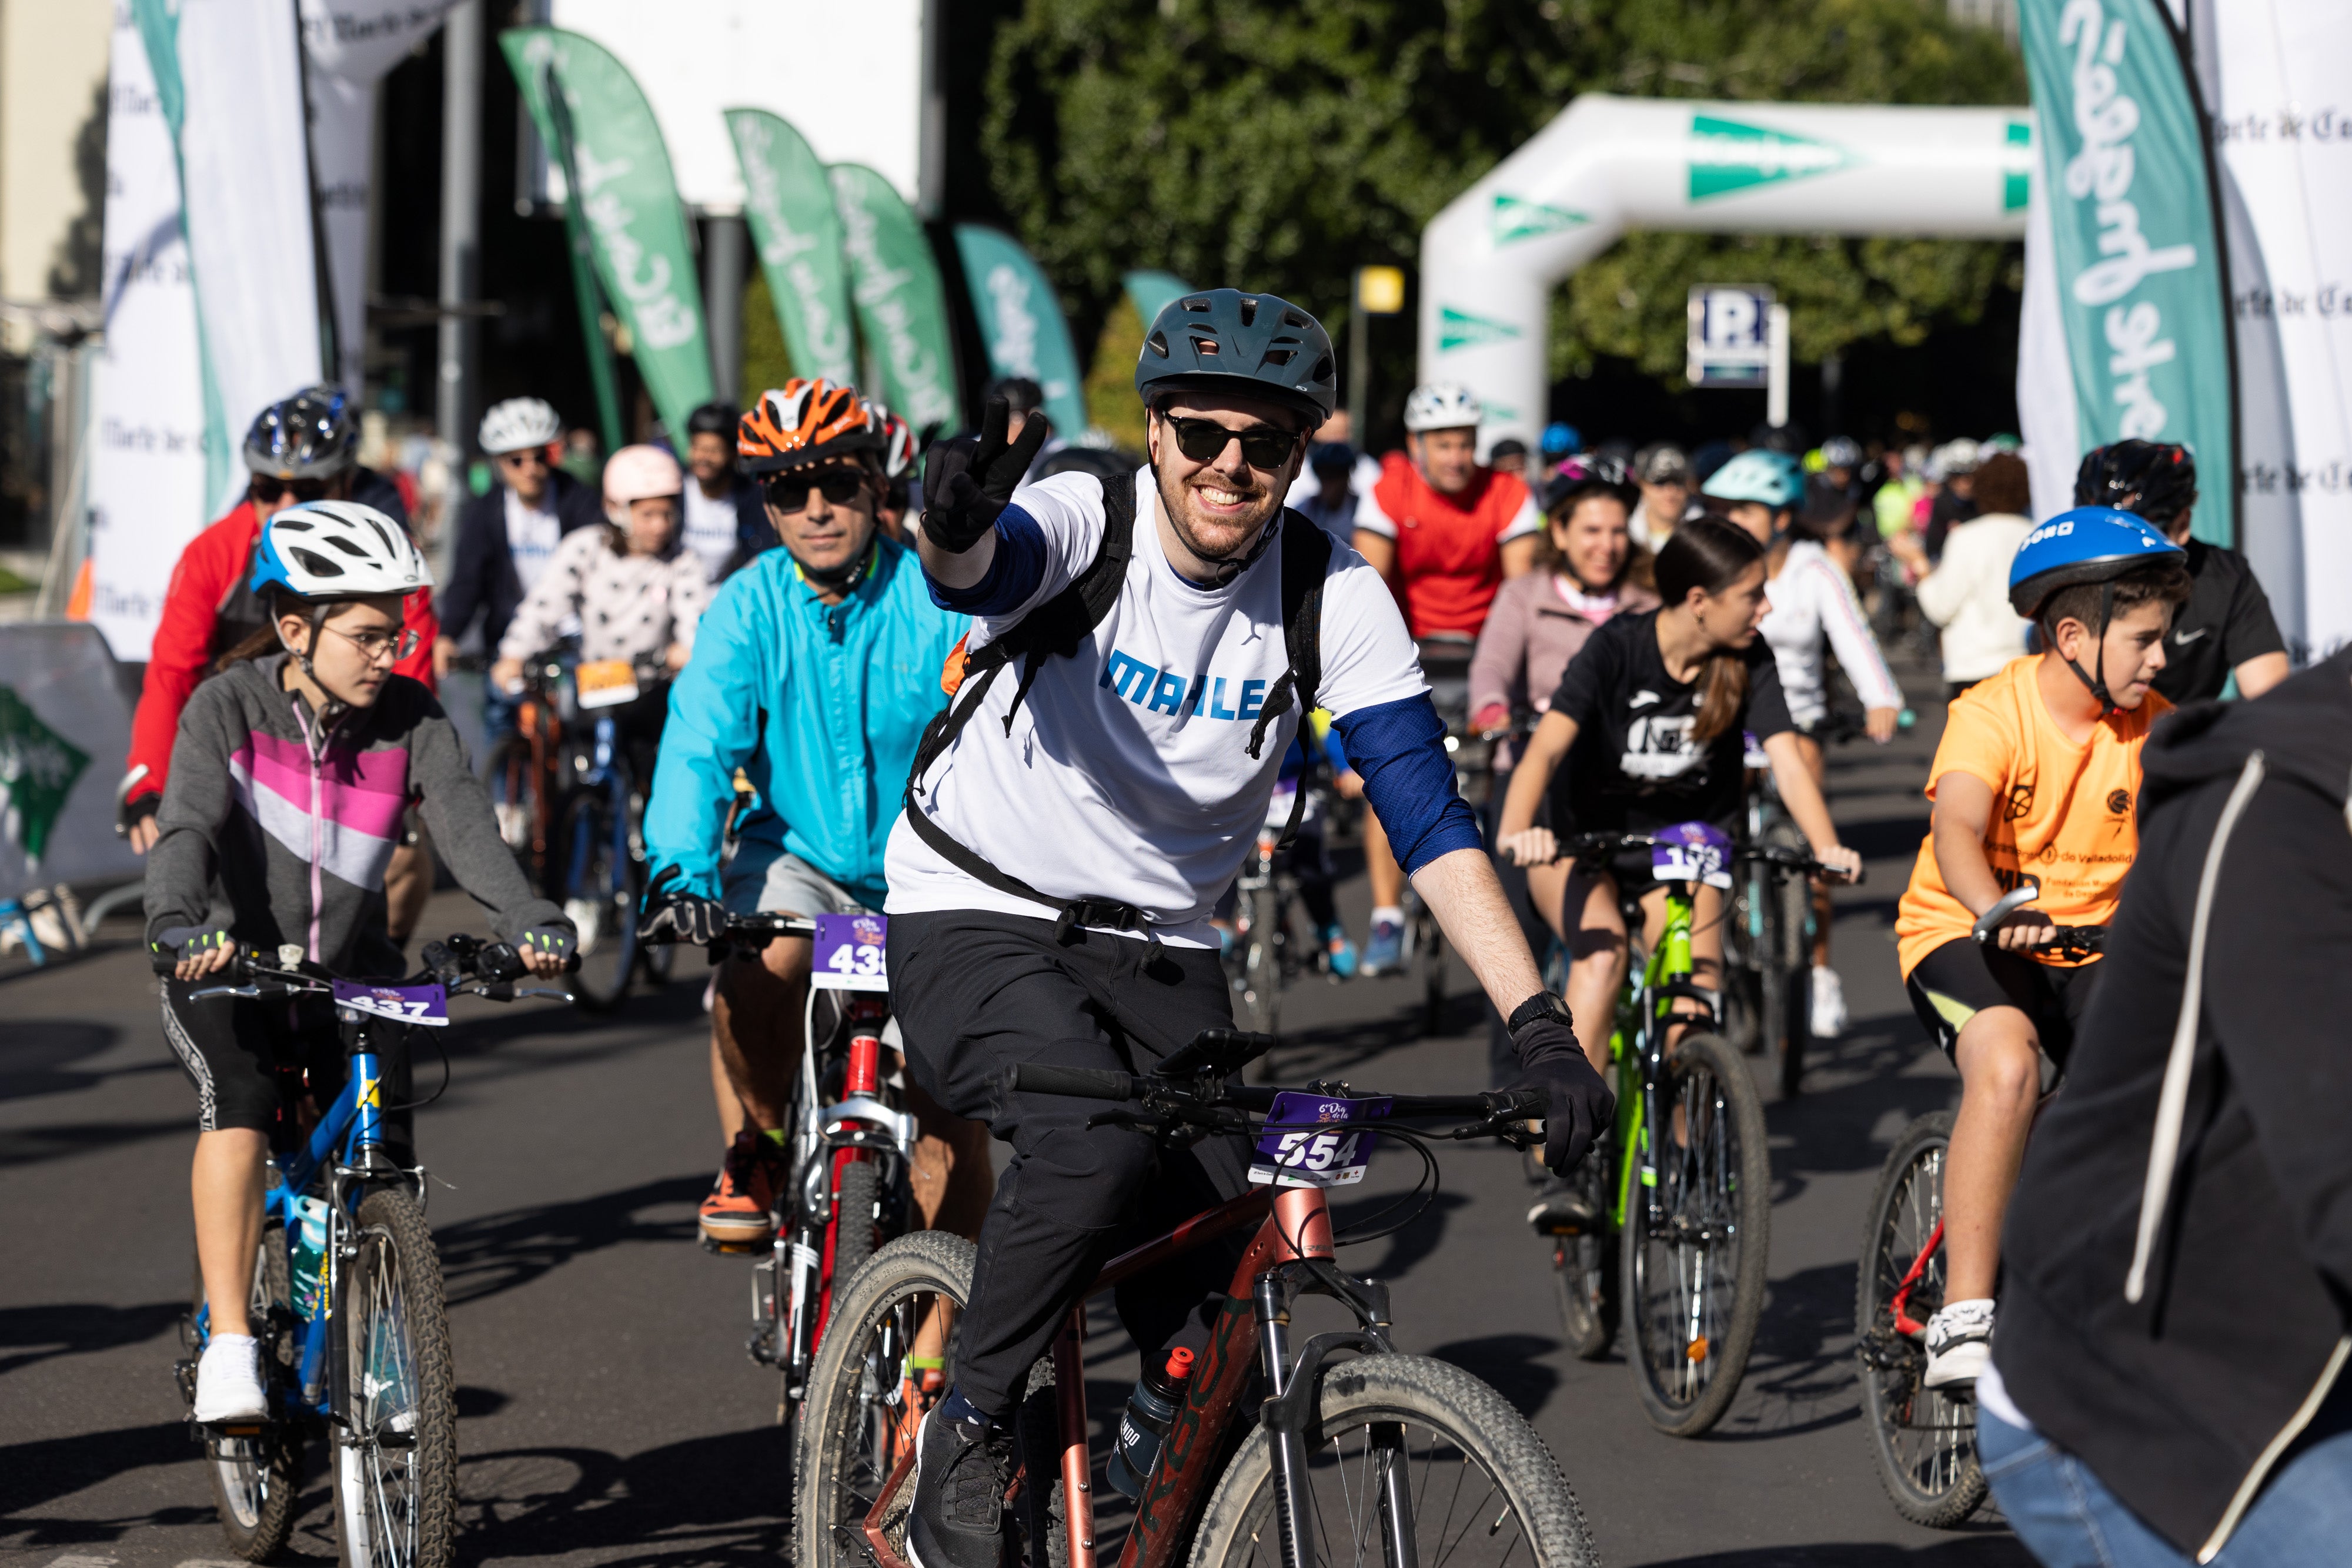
(1279, 144)
(767, 359)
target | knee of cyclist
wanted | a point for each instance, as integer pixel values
(2005, 1075)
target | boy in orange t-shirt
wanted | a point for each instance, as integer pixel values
(2036, 779)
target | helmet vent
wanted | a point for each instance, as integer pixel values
(1323, 369)
(345, 546)
(1293, 319)
(1197, 304)
(1249, 311)
(1158, 344)
(1205, 347)
(293, 525)
(1280, 356)
(316, 564)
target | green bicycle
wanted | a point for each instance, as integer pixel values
(1673, 1230)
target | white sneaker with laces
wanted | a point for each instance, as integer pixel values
(228, 1380)
(1959, 1346)
(1829, 1003)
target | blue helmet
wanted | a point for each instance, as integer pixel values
(1560, 439)
(1249, 344)
(1774, 478)
(2089, 544)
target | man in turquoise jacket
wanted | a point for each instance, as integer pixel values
(814, 672)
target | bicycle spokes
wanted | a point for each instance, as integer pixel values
(1691, 1258)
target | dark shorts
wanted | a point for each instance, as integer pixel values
(1962, 978)
(234, 1050)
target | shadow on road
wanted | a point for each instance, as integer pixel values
(499, 1252)
(32, 1335)
(1985, 1545)
(32, 1474)
(721, 1498)
(1508, 1361)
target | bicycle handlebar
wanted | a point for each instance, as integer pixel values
(494, 966)
(1207, 1102)
(1588, 850)
(2072, 941)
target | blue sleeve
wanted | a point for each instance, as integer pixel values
(1335, 751)
(1017, 570)
(713, 728)
(1399, 748)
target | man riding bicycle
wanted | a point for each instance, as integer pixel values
(2036, 778)
(1444, 531)
(1075, 814)
(816, 668)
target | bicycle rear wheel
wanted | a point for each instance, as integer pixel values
(1262, 943)
(1924, 1444)
(1585, 1268)
(1483, 1488)
(395, 1453)
(1698, 1238)
(603, 884)
(255, 1477)
(863, 1405)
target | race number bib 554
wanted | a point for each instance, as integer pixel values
(851, 953)
(1307, 1140)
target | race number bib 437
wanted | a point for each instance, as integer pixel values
(410, 1003)
(1307, 1140)
(851, 953)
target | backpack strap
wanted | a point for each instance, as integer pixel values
(1305, 559)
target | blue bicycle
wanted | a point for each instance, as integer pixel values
(347, 1298)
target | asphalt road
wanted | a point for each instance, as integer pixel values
(610, 1415)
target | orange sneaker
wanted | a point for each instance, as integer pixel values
(740, 1207)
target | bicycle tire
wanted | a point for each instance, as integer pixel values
(396, 1329)
(1687, 1372)
(1743, 946)
(1938, 1484)
(857, 1206)
(1037, 1434)
(1262, 960)
(839, 1445)
(603, 904)
(1460, 1414)
(1796, 959)
(255, 1480)
(1586, 1269)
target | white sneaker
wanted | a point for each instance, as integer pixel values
(229, 1380)
(1829, 1003)
(1959, 1346)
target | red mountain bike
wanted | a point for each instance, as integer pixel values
(1338, 1449)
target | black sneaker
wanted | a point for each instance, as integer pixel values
(957, 1517)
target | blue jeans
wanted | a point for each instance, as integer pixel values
(2069, 1519)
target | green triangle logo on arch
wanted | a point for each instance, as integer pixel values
(1727, 156)
(1516, 218)
(1460, 329)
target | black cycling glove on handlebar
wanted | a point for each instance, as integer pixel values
(177, 945)
(1580, 1105)
(553, 939)
(968, 481)
(677, 915)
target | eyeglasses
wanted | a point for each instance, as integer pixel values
(1204, 441)
(375, 647)
(267, 490)
(789, 492)
(528, 456)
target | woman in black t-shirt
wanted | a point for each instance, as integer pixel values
(1650, 718)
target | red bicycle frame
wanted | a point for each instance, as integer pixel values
(1905, 1323)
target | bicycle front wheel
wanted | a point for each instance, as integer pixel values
(1698, 1238)
(1925, 1443)
(395, 1449)
(1480, 1485)
(602, 886)
(255, 1477)
(1262, 960)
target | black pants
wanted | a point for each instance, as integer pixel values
(976, 992)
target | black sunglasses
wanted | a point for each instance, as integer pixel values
(789, 492)
(1204, 440)
(267, 490)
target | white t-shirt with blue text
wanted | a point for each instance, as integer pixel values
(1125, 775)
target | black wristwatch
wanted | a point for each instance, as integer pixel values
(1542, 1005)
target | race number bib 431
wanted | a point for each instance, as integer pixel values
(1307, 1140)
(851, 953)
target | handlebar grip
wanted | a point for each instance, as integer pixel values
(2016, 898)
(1078, 1082)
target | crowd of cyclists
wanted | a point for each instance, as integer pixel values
(1036, 706)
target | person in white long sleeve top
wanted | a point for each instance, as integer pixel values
(1813, 609)
(1967, 594)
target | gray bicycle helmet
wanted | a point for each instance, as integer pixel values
(311, 435)
(1244, 343)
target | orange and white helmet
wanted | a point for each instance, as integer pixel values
(898, 444)
(806, 422)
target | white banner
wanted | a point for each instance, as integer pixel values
(147, 416)
(64, 728)
(2283, 128)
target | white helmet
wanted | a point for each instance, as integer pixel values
(518, 424)
(1443, 406)
(337, 550)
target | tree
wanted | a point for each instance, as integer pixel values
(1279, 144)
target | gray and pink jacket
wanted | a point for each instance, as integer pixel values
(278, 826)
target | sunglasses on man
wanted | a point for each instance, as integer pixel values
(1204, 441)
(789, 492)
(529, 457)
(268, 490)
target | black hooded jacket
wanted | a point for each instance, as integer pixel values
(2187, 1400)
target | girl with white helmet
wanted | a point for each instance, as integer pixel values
(632, 588)
(289, 777)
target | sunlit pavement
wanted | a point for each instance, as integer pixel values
(609, 1413)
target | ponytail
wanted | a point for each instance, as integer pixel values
(1710, 555)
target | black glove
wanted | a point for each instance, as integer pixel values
(1581, 1107)
(556, 939)
(177, 944)
(967, 482)
(133, 811)
(677, 916)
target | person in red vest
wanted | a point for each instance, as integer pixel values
(302, 448)
(1444, 531)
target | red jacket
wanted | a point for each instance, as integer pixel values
(210, 569)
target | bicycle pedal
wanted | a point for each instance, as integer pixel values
(739, 1248)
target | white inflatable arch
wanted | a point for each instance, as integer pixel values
(1489, 261)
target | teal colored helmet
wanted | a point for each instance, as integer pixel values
(1774, 478)
(1253, 345)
